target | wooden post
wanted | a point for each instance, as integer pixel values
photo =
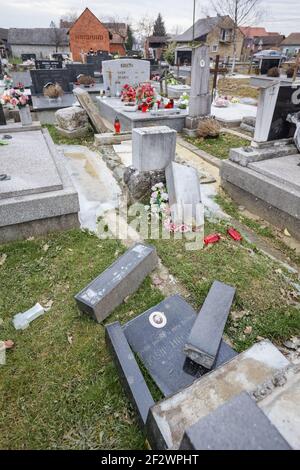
(2, 116)
(215, 80)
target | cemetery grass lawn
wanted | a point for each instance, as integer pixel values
(237, 87)
(59, 388)
(264, 301)
(218, 146)
(61, 140)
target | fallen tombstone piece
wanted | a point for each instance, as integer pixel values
(122, 278)
(184, 195)
(239, 424)
(169, 419)
(89, 106)
(158, 337)
(72, 122)
(204, 341)
(21, 321)
(129, 371)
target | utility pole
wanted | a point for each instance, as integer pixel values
(194, 19)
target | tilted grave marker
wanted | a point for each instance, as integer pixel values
(122, 278)
(87, 103)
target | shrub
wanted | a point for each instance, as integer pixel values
(208, 128)
(52, 90)
(273, 72)
(290, 72)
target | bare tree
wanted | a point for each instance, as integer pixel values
(57, 36)
(117, 26)
(68, 19)
(241, 12)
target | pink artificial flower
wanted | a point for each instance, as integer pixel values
(14, 101)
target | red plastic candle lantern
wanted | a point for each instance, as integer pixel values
(234, 234)
(144, 108)
(117, 126)
(214, 238)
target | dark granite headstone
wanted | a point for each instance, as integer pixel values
(96, 60)
(288, 102)
(268, 63)
(239, 424)
(80, 69)
(2, 117)
(129, 371)
(48, 64)
(41, 77)
(161, 348)
(122, 278)
(25, 57)
(203, 343)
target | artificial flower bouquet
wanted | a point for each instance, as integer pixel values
(14, 98)
(8, 82)
(128, 94)
(145, 95)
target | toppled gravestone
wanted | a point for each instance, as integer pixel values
(72, 122)
(169, 419)
(184, 195)
(239, 424)
(122, 278)
(205, 338)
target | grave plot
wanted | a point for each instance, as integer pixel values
(265, 178)
(37, 195)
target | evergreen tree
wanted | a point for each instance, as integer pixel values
(130, 39)
(159, 27)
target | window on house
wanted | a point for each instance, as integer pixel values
(214, 48)
(226, 34)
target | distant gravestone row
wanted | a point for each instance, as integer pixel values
(25, 57)
(48, 64)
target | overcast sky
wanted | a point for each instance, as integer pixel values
(283, 16)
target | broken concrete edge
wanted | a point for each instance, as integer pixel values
(244, 156)
(17, 127)
(107, 300)
(200, 153)
(169, 418)
(205, 338)
(110, 138)
(238, 424)
(129, 372)
(270, 191)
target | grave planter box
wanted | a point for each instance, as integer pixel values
(122, 278)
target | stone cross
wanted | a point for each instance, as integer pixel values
(200, 97)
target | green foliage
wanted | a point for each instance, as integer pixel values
(130, 39)
(169, 54)
(159, 28)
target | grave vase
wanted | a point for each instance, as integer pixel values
(25, 115)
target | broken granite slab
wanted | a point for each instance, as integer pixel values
(91, 109)
(205, 338)
(153, 148)
(243, 156)
(158, 336)
(129, 371)
(122, 278)
(169, 419)
(239, 424)
(184, 194)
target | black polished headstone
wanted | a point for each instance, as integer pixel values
(48, 64)
(161, 349)
(269, 63)
(129, 371)
(80, 69)
(2, 117)
(288, 102)
(25, 57)
(204, 341)
(97, 60)
(41, 77)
